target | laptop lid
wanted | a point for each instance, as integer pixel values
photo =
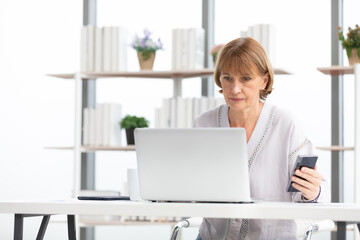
(194, 164)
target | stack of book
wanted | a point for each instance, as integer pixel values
(101, 125)
(265, 34)
(181, 112)
(104, 49)
(188, 46)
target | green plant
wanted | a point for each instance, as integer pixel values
(133, 122)
(146, 45)
(352, 41)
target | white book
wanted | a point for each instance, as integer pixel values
(165, 113)
(86, 126)
(189, 113)
(98, 49)
(157, 118)
(107, 49)
(200, 48)
(265, 37)
(114, 52)
(99, 124)
(203, 104)
(123, 49)
(90, 36)
(178, 50)
(272, 44)
(106, 127)
(243, 34)
(184, 48)
(115, 116)
(196, 107)
(250, 31)
(192, 48)
(174, 39)
(92, 131)
(257, 33)
(180, 112)
(83, 48)
(172, 113)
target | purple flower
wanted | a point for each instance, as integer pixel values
(142, 44)
(147, 33)
(159, 44)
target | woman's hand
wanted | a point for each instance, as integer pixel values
(311, 185)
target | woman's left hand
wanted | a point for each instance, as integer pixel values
(311, 185)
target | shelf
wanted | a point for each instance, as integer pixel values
(93, 223)
(149, 74)
(336, 70)
(336, 148)
(102, 148)
(95, 148)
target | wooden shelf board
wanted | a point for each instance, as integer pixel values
(336, 70)
(151, 74)
(279, 71)
(59, 148)
(336, 148)
(173, 74)
(121, 222)
(102, 148)
(62, 75)
(95, 148)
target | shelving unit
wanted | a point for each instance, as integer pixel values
(339, 70)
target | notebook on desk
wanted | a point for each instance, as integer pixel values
(198, 164)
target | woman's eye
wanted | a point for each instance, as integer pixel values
(246, 78)
(227, 78)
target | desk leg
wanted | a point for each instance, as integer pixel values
(71, 227)
(341, 230)
(19, 226)
(43, 226)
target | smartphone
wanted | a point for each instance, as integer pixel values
(104, 198)
(302, 161)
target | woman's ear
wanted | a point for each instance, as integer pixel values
(265, 80)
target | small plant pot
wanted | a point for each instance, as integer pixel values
(130, 136)
(354, 58)
(146, 64)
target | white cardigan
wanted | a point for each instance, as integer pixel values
(272, 150)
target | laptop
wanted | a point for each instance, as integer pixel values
(193, 164)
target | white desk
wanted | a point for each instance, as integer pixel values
(339, 212)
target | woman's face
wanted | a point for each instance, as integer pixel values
(242, 90)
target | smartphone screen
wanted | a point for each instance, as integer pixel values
(302, 161)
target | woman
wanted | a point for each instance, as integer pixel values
(245, 76)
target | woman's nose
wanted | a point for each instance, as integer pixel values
(236, 87)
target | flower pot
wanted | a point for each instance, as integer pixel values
(130, 136)
(354, 58)
(146, 63)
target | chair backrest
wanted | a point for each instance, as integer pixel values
(302, 226)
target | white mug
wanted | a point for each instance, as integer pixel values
(133, 184)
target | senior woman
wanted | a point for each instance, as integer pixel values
(274, 140)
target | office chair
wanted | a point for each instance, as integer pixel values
(305, 228)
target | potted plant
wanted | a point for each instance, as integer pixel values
(215, 50)
(129, 123)
(146, 49)
(351, 44)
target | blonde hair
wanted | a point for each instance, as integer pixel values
(242, 55)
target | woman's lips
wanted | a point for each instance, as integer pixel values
(237, 99)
